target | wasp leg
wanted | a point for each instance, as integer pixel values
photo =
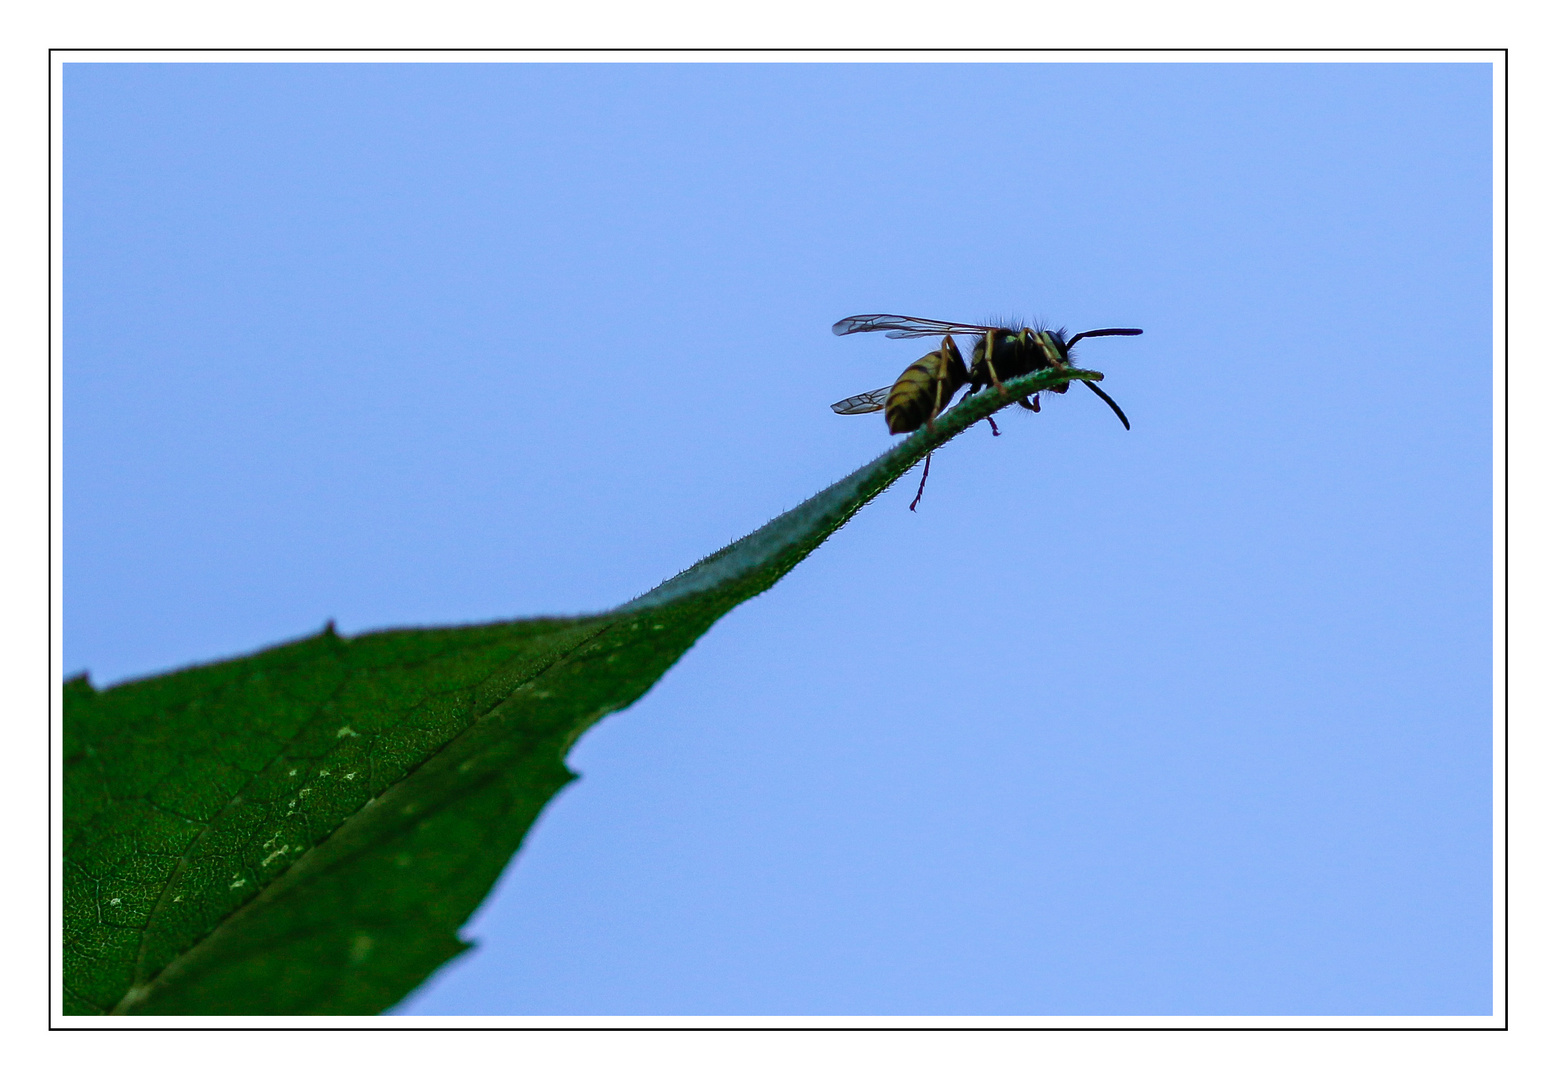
(992, 426)
(940, 384)
(941, 389)
(989, 361)
(1030, 404)
(913, 506)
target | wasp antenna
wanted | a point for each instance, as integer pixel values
(1123, 419)
(1113, 331)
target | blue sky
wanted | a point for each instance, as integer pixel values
(1194, 719)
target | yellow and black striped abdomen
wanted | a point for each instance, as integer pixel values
(925, 388)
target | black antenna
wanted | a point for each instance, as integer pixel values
(1113, 331)
(1123, 419)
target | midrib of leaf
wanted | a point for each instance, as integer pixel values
(475, 759)
(793, 535)
(324, 856)
(309, 862)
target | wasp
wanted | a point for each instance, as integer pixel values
(1001, 353)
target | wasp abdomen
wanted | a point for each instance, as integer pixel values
(925, 388)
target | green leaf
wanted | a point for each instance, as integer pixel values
(304, 830)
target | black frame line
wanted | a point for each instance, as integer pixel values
(53, 688)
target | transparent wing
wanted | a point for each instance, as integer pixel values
(904, 326)
(874, 401)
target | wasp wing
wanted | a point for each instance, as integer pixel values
(904, 326)
(874, 401)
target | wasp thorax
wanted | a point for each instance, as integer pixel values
(1001, 355)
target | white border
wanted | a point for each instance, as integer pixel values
(796, 1023)
(541, 55)
(1499, 542)
(56, 547)
(781, 1023)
